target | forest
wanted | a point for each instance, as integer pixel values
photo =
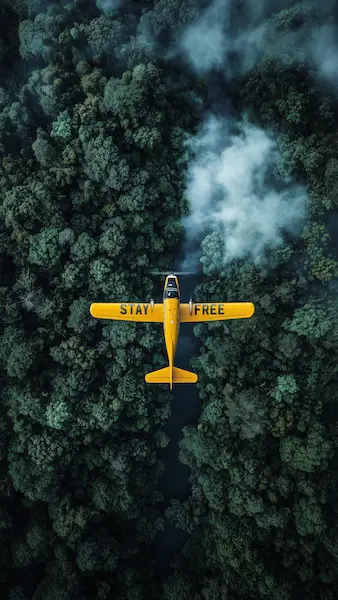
(126, 129)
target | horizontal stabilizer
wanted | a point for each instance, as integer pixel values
(164, 376)
(160, 376)
(182, 376)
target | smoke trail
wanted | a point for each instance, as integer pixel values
(323, 50)
(204, 41)
(230, 190)
(108, 6)
(230, 185)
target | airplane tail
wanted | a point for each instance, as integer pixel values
(171, 375)
(182, 376)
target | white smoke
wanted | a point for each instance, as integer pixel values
(230, 189)
(207, 42)
(230, 185)
(323, 50)
(204, 41)
(108, 6)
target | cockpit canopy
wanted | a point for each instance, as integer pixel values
(171, 288)
(171, 293)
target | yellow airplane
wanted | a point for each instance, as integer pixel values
(171, 313)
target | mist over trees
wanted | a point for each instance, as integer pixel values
(102, 112)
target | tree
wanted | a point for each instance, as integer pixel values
(308, 518)
(103, 162)
(246, 414)
(113, 240)
(310, 454)
(45, 250)
(99, 553)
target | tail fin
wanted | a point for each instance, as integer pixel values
(167, 375)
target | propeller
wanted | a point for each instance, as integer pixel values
(173, 272)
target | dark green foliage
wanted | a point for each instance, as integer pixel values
(91, 183)
(264, 488)
(92, 172)
(262, 454)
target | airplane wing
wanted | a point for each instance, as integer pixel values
(215, 311)
(128, 311)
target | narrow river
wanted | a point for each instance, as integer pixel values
(185, 409)
(185, 405)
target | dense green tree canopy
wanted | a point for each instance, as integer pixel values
(96, 103)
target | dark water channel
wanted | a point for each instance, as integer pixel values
(185, 409)
(185, 405)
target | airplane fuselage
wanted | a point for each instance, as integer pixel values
(171, 315)
(171, 326)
